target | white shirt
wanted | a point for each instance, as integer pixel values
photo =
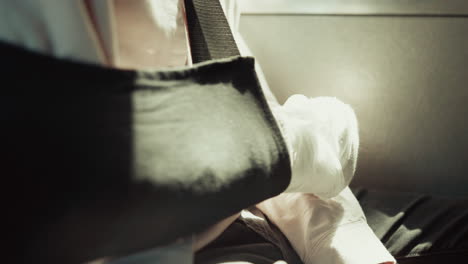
(115, 33)
(326, 231)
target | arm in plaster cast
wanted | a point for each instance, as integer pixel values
(322, 140)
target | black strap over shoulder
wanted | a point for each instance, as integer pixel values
(209, 32)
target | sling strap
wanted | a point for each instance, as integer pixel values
(209, 32)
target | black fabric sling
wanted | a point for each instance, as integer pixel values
(106, 162)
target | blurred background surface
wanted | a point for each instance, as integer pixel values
(403, 67)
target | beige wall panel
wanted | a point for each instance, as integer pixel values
(406, 77)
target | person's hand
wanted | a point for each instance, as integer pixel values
(323, 141)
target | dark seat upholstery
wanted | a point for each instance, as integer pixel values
(418, 228)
